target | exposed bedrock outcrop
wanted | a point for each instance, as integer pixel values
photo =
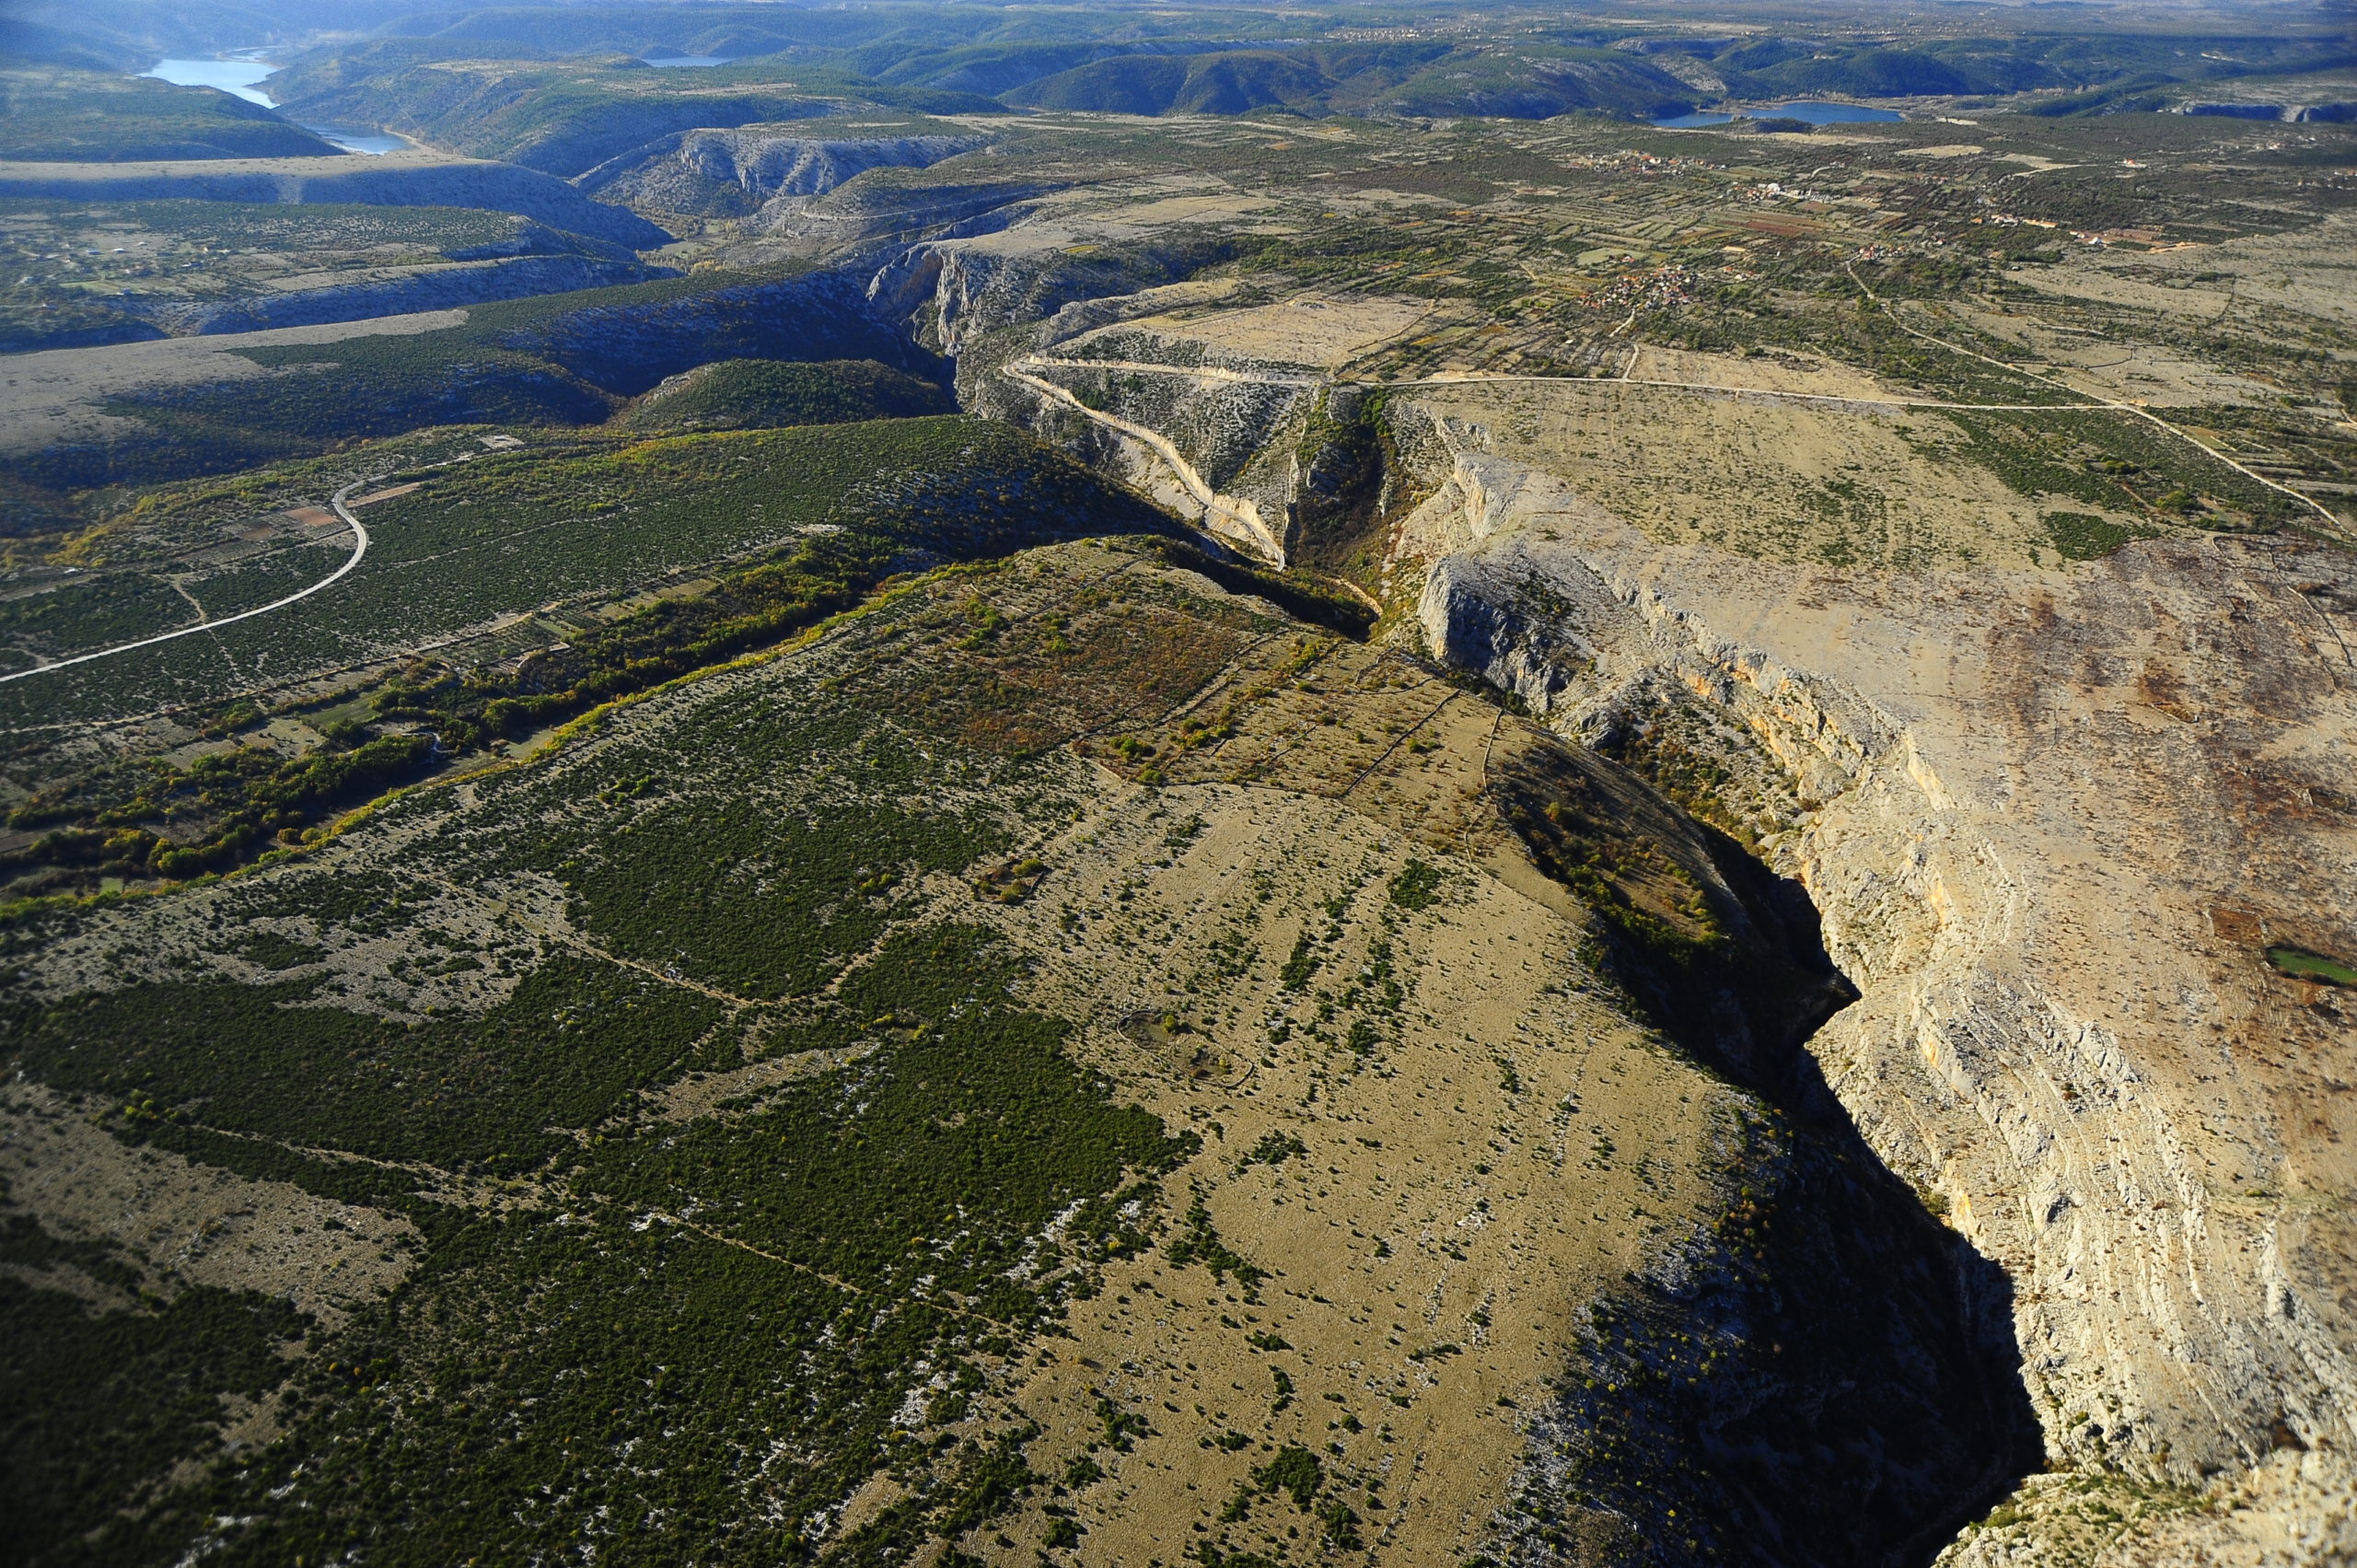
(990, 280)
(396, 181)
(2301, 113)
(1235, 438)
(438, 288)
(1832, 1378)
(1217, 443)
(737, 173)
(2053, 823)
(989, 290)
(878, 221)
(1143, 456)
(1822, 1383)
(1824, 1378)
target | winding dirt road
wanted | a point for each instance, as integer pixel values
(1242, 519)
(1023, 371)
(359, 549)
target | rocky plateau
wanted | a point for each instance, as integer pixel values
(2052, 823)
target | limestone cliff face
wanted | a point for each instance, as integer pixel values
(882, 222)
(992, 277)
(2053, 821)
(735, 173)
(1235, 438)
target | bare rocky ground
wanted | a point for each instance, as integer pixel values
(1429, 1247)
(1878, 486)
(2059, 817)
(57, 395)
(1309, 905)
(2052, 812)
(182, 1223)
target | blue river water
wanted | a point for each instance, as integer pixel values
(243, 78)
(355, 138)
(1814, 113)
(236, 77)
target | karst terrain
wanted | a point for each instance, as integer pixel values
(1253, 787)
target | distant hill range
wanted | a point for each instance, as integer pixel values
(563, 89)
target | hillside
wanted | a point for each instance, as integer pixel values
(760, 170)
(993, 68)
(184, 266)
(1226, 82)
(1290, 800)
(1537, 82)
(558, 122)
(81, 117)
(567, 118)
(610, 517)
(1945, 525)
(800, 1129)
(409, 178)
(562, 359)
(739, 393)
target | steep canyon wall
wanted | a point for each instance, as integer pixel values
(2053, 821)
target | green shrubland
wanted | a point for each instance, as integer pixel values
(829, 513)
(555, 360)
(565, 118)
(840, 1268)
(61, 116)
(748, 393)
(99, 1403)
(831, 507)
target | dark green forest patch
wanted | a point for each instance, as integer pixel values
(750, 393)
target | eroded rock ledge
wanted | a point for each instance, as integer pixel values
(735, 173)
(2052, 821)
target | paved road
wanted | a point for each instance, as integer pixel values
(359, 549)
